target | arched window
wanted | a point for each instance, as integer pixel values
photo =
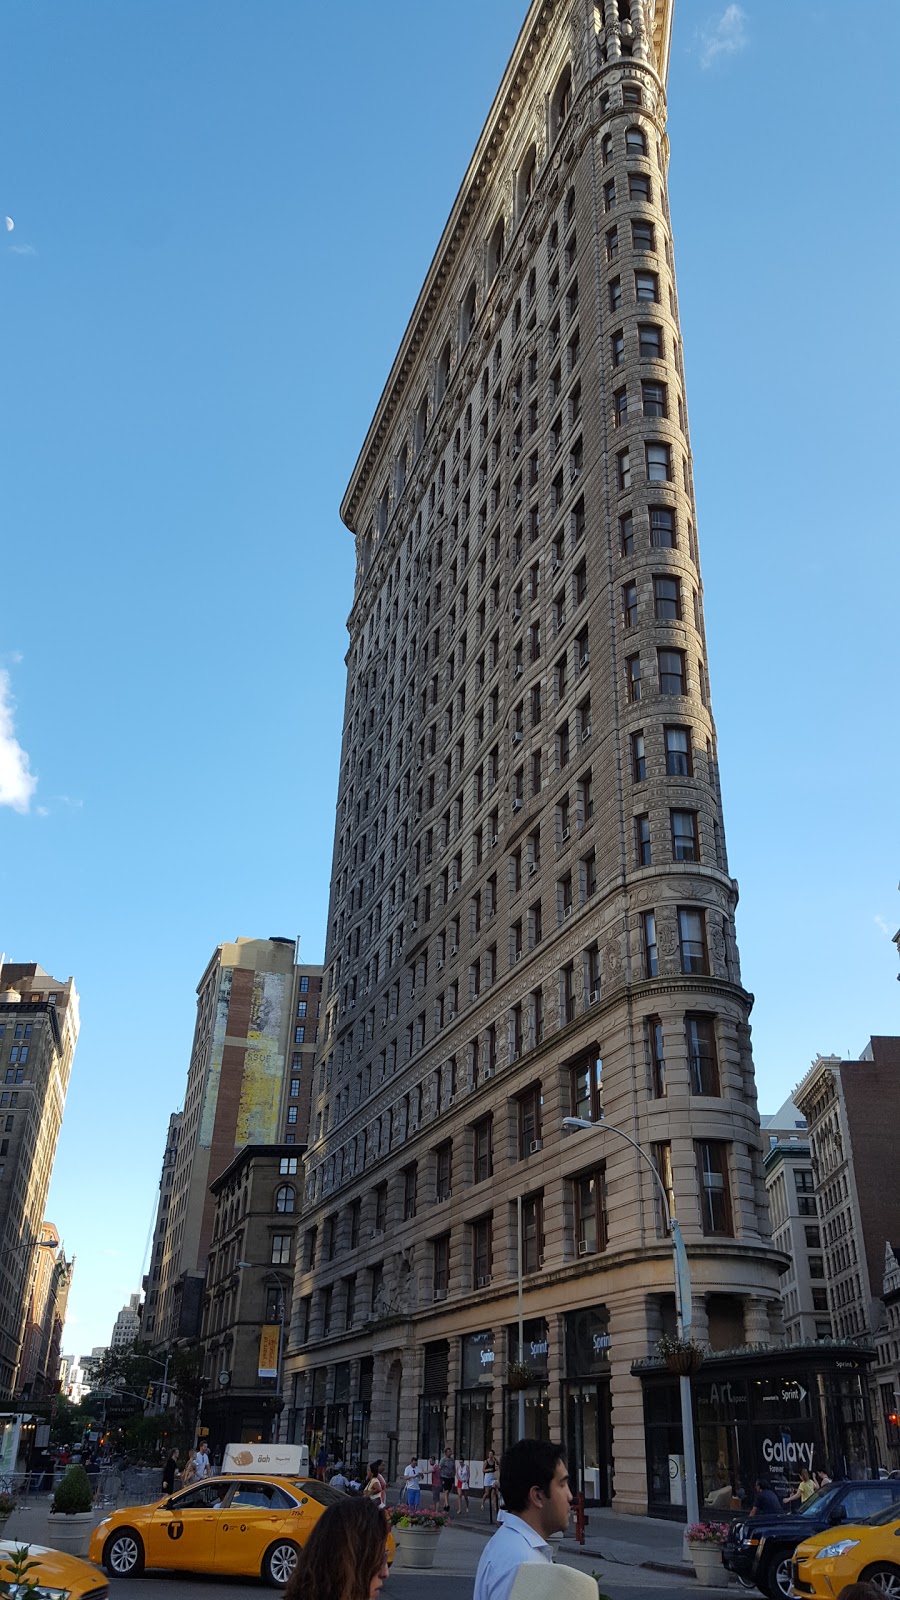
(495, 249)
(285, 1198)
(635, 143)
(561, 103)
(525, 180)
(467, 314)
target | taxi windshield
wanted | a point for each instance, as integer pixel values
(322, 1492)
(889, 1513)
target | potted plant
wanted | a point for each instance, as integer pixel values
(705, 1541)
(680, 1355)
(416, 1534)
(519, 1375)
(71, 1516)
(7, 1507)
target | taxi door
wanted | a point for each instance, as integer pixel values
(182, 1535)
(253, 1518)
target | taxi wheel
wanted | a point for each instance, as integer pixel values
(884, 1577)
(123, 1553)
(279, 1562)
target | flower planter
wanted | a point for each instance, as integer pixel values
(707, 1558)
(685, 1362)
(70, 1531)
(415, 1546)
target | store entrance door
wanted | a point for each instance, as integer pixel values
(589, 1454)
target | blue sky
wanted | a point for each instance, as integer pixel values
(223, 213)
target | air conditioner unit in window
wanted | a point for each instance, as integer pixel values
(454, 949)
(450, 1099)
(454, 886)
(451, 1014)
(516, 614)
(556, 564)
(439, 1294)
(517, 804)
(489, 1072)
(585, 661)
(440, 966)
(595, 996)
(518, 736)
(518, 669)
(567, 911)
(582, 1247)
(483, 1281)
(517, 955)
(565, 833)
(535, 1146)
(493, 840)
(532, 868)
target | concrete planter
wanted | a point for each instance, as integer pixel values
(415, 1546)
(707, 1559)
(70, 1531)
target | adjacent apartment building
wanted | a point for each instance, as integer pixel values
(39, 1369)
(531, 912)
(151, 1280)
(38, 1032)
(796, 1231)
(249, 1082)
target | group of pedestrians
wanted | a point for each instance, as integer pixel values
(450, 1476)
(345, 1556)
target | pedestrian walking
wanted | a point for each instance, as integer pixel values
(376, 1485)
(489, 1492)
(447, 1466)
(462, 1485)
(345, 1556)
(413, 1483)
(435, 1480)
(534, 1484)
(321, 1461)
(170, 1472)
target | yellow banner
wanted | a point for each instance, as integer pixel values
(268, 1350)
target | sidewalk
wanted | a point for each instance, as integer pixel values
(613, 1537)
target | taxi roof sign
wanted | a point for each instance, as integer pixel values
(275, 1460)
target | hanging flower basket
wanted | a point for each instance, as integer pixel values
(682, 1356)
(519, 1375)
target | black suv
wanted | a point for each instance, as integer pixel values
(759, 1549)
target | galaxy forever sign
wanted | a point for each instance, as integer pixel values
(774, 1419)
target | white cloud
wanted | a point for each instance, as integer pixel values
(17, 782)
(880, 923)
(726, 37)
(22, 249)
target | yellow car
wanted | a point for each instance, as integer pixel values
(855, 1552)
(56, 1576)
(239, 1526)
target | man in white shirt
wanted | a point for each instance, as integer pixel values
(534, 1485)
(413, 1480)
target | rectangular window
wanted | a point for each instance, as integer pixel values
(715, 1196)
(623, 469)
(615, 294)
(349, 1301)
(633, 677)
(642, 235)
(651, 954)
(662, 1160)
(440, 1282)
(642, 847)
(638, 758)
(626, 534)
(692, 939)
(617, 348)
(409, 1192)
(679, 755)
(662, 528)
(639, 186)
(532, 1232)
(585, 1086)
(482, 1251)
(646, 286)
(529, 1121)
(671, 671)
(590, 1212)
(443, 1171)
(653, 396)
(281, 1249)
(381, 1200)
(667, 599)
(484, 1153)
(659, 462)
(630, 604)
(684, 836)
(703, 1060)
(656, 1053)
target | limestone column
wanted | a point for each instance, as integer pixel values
(756, 1320)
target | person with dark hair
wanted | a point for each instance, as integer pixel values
(170, 1472)
(345, 1556)
(765, 1501)
(534, 1485)
(860, 1591)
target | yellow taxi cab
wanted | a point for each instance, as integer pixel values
(237, 1526)
(857, 1552)
(54, 1575)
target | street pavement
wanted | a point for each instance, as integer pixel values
(617, 1551)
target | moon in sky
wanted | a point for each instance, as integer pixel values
(9, 224)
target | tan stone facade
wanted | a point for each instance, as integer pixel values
(530, 874)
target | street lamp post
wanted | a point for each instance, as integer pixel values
(683, 1307)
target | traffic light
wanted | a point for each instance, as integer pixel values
(894, 1419)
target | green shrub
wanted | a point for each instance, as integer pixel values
(73, 1493)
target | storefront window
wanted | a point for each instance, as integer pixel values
(586, 1404)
